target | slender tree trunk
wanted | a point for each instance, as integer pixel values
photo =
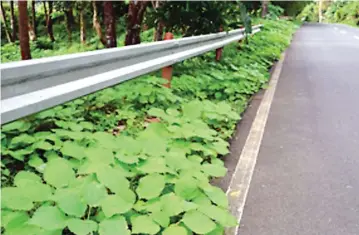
(82, 27)
(49, 22)
(135, 14)
(12, 21)
(68, 25)
(264, 8)
(159, 31)
(109, 24)
(3, 18)
(33, 17)
(32, 34)
(23, 31)
(96, 24)
(46, 14)
(160, 24)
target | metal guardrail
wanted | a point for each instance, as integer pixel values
(35, 85)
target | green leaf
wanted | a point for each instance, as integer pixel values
(192, 110)
(35, 191)
(100, 155)
(22, 139)
(153, 165)
(69, 201)
(218, 214)
(172, 204)
(150, 186)
(161, 218)
(72, 149)
(115, 204)
(13, 219)
(20, 126)
(49, 218)
(144, 224)
(198, 222)
(112, 178)
(114, 226)
(186, 187)
(37, 163)
(129, 159)
(175, 229)
(13, 198)
(24, 177)
(82, 227)
(218, 231)
(93, 193)
(217, 196)
(44, 145)
(214, 170)
(58, 173)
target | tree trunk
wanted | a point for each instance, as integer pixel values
(32, 34)
(68, 25)
(96, 24)
(135, 14)
(159, 31)
(23, 31)
(160, 24)
(264, 8)
(109, 20)
(82, 27)
(49, 22)
(45, 11)
(12, 21)
(33, 17)
(3, 18)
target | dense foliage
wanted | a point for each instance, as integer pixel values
(345, 12)
(136, 158)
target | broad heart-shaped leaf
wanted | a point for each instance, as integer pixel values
(70, 202)
(49, 218)
(172, 204)
(161, 218)
(217, 196)
(175, 229)
(114, 226)
(144, 224)
(35, 191)
(82, 227)
(13, 198)
(192, 110)
(115, 204)
(129, 159)
(73, 149)
(218, 214)
(93, 193)
(26, 229)
(214, 170)
(186, 187)
(25, 176)
(198, 222)
(112, 178)
(36, 162)
(13, 219)
(22, 139)
(100, 155)
(150, 186)
(153, 165)
(58, 173)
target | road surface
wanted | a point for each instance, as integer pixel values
(306, 180)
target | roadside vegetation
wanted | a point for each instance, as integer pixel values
(137, 158)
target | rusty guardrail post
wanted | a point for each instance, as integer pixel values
(219, 50)
(167, 71)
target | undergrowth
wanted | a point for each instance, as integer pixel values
(136, 158)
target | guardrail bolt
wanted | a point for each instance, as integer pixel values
(219, 50)
(167, 71)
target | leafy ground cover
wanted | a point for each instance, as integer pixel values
(136, 158)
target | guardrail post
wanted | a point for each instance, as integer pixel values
(167, 71)
(219, 50)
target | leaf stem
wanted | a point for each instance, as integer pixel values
(89, 212)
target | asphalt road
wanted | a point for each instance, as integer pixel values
(306, 180)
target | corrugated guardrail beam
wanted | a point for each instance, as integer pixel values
(35, 85)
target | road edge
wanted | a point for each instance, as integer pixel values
(240, 182)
